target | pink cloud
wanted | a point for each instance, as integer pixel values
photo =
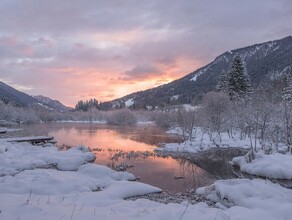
(107, 49)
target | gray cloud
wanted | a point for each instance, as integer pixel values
(126, 39)
(143, 71)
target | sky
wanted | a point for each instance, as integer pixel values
(74, 50)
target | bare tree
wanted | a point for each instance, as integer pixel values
(215, 107)
(287, 119)
(186, 121)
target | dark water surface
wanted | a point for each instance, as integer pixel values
(120, 147)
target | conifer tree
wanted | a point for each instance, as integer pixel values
(236, 82)
(287, 92)
(223, 82)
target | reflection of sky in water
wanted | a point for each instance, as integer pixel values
(153, 170)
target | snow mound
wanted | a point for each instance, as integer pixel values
(16, 157)
(278, 166)
(259, 197)
(88, 178)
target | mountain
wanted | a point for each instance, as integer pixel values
(265, 63)
(53, 104)
(12, 96)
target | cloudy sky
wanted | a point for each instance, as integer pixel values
(80, 49)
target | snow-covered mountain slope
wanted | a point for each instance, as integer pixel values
(11, 95)
(53, 104)
(265, 63)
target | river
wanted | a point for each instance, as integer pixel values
(131, 147)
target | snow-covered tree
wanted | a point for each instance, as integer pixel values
(86, 105)
(287, 93)
(223, 82)
(215, 107)
(236, 82)
(186, 120)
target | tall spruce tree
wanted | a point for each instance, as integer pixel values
(223, 82)
(236, 82)
(287, 92)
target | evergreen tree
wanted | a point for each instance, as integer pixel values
(287, 92)
(223, 82)
(86, 105)
(236, 82)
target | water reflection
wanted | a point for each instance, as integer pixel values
(129, 148)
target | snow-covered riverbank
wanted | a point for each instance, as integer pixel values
(272, 164)
(71, 188)
(202, 141)
(276, 166)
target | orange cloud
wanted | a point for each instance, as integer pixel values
(106, 84)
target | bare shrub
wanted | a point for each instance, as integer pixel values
(121, 117)
(165, 119)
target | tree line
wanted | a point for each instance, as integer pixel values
(264, 118)
(86, 105)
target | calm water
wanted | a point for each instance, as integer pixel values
(112, 145)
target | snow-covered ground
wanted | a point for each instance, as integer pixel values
(250, 199)
(4, 122)
(278, 166)
(143, 123)
(104, 122)
(80, 190)
(16, 157)
(275, 165)
(202, 141)
(80, 121)
(9, 129)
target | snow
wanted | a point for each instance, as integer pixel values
(201, 72)
(79, 121)
(87, 178)
(189, 107)
(250, 199)
(4, 122)
(278, 166)
(10, 129)
(237, 199)
(195, 77)
(41, 104)
(129, 102)
(34, 138)
(143, 123)
(202, 142)
(16, 157)
(81, 190)
(174, 97)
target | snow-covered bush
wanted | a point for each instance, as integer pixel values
(18, 114)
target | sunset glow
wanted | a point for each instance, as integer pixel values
(108, 49)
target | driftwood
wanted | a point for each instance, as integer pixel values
(33, 140)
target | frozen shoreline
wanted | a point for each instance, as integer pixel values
(203, 142)
(81, 190)
(274, 165)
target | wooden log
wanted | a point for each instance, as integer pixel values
(33, 140)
